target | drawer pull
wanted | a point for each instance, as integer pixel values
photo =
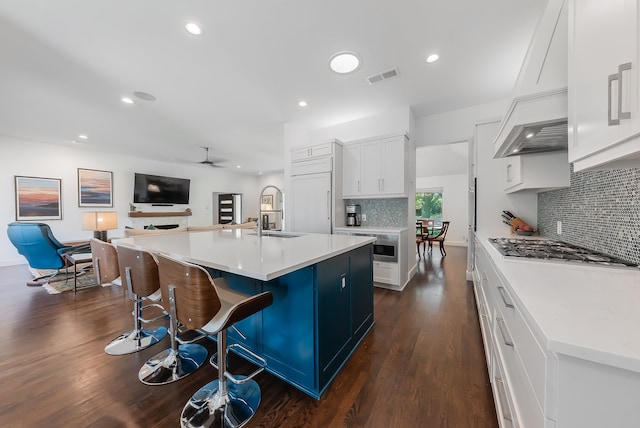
(506, 412)
(506, 338)
(505, 297)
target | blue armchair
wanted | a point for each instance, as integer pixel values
(36, 243)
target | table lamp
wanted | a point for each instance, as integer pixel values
(100, 222)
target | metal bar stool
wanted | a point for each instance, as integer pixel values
(231, 400)
(139, 272)
(183, 357)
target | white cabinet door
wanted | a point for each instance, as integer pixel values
(393, 153)
(304, 153)
(371, 168)
(312, 209)
(351, 185)
(604, 111)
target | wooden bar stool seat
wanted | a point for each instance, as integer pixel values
(231, 400)
(139, 272)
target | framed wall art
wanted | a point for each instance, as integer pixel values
(38, 198)
(267, 202)
(95, 188)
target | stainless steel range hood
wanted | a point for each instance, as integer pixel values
(534, 124)
(536, 120)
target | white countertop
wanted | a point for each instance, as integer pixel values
(378, 230)
(586, 311)
(242, 252)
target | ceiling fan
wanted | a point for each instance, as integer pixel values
(208, 162)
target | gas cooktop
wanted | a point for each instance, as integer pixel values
(550, 250)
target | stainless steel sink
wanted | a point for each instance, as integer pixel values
(277, 234)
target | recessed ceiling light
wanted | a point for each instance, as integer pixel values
(433, 58)
(302, 103)
(344, 62)
(194, 29)
(127, 100)
(84, 137)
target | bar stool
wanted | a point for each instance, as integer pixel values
(139, 272)
(104, 258)
(183, 357)
(231, 400)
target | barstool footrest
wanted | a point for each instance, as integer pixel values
(240, 379)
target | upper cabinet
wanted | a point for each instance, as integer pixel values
(604, 91)
(376, 168)
(311, 152)
(536, 172)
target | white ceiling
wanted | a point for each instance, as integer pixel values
(65, 64)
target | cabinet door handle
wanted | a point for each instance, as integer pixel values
(328, 204)
(358, 185)
(622, 114)
(610, 120)
(504, 333)
(613, 78)
(506, 412)
(507, 301)
(383, 184)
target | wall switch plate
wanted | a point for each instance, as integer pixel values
(559, 227)
(364, 217)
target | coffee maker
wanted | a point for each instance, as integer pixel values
(353, 215)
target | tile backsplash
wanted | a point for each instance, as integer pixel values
(383, 212)
(600, 211)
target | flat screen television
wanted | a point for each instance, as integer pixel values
(157, 189)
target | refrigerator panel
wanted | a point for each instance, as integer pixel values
(312, 203)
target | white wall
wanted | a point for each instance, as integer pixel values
(491, 198)
(456, 125)
(454, 203)
(25, 158)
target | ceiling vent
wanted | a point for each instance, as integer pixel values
(377, 78)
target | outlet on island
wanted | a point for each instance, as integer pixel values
(364, 217)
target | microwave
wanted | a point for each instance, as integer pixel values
(385, 248)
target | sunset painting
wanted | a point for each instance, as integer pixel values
(95, 188)
(38, 198)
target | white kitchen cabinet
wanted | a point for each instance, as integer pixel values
(311, 152)
(386, 273)
(517, 364)
(376, 168)
(537, 172)
(351, 173)
(604, 90)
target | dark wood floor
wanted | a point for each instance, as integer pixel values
(422, 365)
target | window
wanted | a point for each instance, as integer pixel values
(429, 206)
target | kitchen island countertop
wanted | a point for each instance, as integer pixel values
(242, 252)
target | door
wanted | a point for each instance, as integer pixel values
(312, 203)
(229, 208)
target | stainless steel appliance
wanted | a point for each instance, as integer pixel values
(353, 215)
(385, 249)
(551, 250)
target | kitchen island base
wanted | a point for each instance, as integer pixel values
(319, 316)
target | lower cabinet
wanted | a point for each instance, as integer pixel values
(535, 387)
(517, 364)
(319, 316)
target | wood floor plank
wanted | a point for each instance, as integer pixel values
(422, 365)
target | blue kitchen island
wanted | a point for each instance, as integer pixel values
(322, 289)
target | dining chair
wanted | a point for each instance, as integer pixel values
(439, 238)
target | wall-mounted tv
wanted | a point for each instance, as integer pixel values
(157, 189)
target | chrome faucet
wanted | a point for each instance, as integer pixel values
(260, 205)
